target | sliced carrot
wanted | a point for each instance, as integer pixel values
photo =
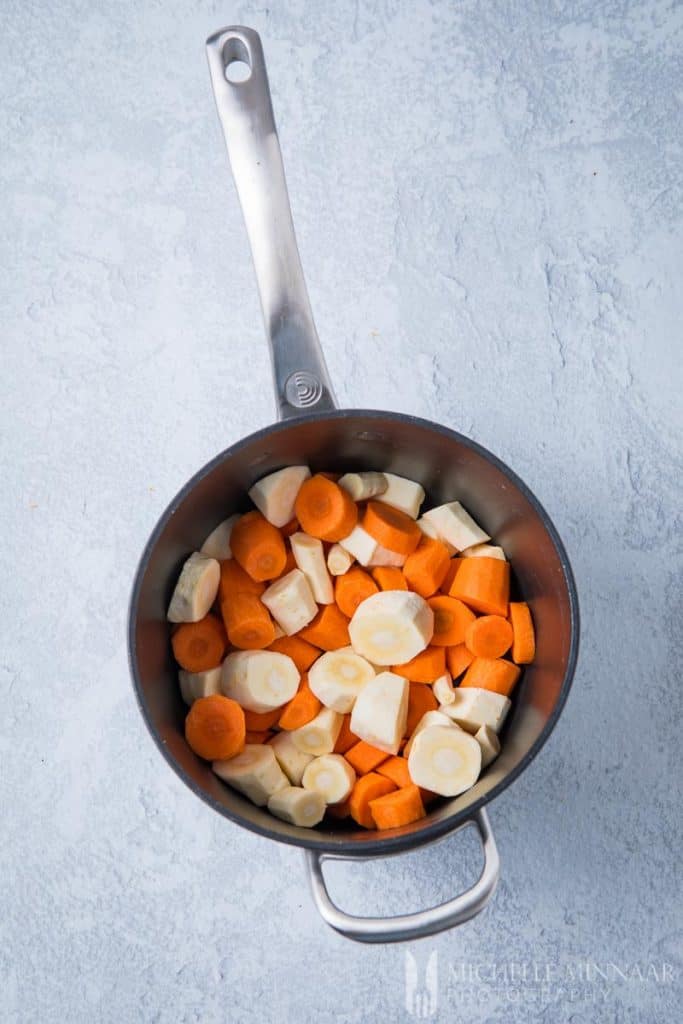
(489, 636)
(346, 739)
(199, 646)
(389, 578)
(524, 642)
(302, 654)
(301, 709)
(352, 588)
(214, 728)
(368, 787)
(363, 757)
(324, 509)
(450, 575)
(420, 700)
(259, 721)
(458, 658)
(399, 808)
(425, 667)
(451, 619)
(247, 621)
(483, 584)
(492, 674)
(391, 528)
(290, 563)
(340, 810)
(426, 567)
(258, 547)
(234, 580)
(396, 769)
(328, 630)
(259, 735)
(289, 528)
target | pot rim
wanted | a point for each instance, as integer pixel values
(430, 831)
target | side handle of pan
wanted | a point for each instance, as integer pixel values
(302, 384)
(422, 923)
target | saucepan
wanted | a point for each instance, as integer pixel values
(311, 430)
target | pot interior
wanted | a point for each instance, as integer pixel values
(449, 467)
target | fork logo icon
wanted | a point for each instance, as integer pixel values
(421, 999)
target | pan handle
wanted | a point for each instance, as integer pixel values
(410, 926)
(302, 384)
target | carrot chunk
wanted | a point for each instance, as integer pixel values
(425, 667)
(399, 808)
(301, 709)
(234, 580)
(199, 646)
(302, 654)
(346, 739)
(324, 509)
(426, 568)
(420, 700)
(458, 659)
(492, 674)
(396, 769)
(363, 757)
(391, 528)
(524, 640)
(451, 619)
(387, 577)
(368, 787)
(328, 630)
(256, 721)
(214, 728)
(352, 588)
(258, 735)
(489, 636)
(453, 567)
(248, 624)
(258, 546)
(483, 584)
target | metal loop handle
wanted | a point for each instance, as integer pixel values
(422, 923)
(302, 384)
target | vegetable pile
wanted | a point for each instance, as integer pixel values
(341, 656)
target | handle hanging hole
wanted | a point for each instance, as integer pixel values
(236, 61)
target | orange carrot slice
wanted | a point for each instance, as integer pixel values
(492, 674)
(352, 588)
(248, 624)
(483, 584)
(391, 528)
(328, 630)
(199, 646)
(215, 729)
(363, 757)
(301, 709)
(258, 547)
(302, 654)
(368, 787)
(524, 640)
(425, 667)
(389, 578)
(420, 700)
(324, 509)
(234, 580)
(396, 769)
(453, 567)
(451, 619)
(346, 739)
(458, 658)
(258, 735)
(256, 721)
(399, 808)
(489, 636)
(426, 568)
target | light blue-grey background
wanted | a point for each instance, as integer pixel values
(488, 200)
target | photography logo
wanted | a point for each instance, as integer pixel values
(422, 994)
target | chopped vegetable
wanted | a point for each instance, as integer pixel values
(258, 547)
(489, 636)
(352, 588)
(494, 674)
(324, 509)
(199, 646)
(391, 528)
(524, 640)
(402, 807)
(369, 787)
(484, 585)
(214, 727)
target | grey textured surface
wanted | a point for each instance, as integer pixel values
(488, 201)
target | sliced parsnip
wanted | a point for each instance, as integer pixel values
(290, 601)
(380, 713)
(309, 556)
(484, 551)
(444, 760)
(360, 544)
(391, 627)
(473, 707)
(292, 760)
(331, 775)
(298, 806)
(362, 486)
(320, 734)
(430, 530)
(455, 525)
(489, 743)
(403, 494)
(217, 544)
(429, 718)
(195, 590)
(255, 772)
(276, 493)
(259, 680)
(337, 678)
(383, 556)
(194, 685)
(443, 689)
(339, 560)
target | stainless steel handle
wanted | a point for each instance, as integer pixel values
(302, 384)
(410, 926)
